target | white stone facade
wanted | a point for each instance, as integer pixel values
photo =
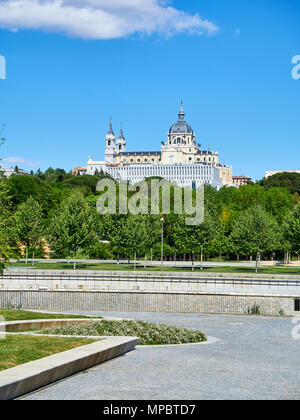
(184, 175)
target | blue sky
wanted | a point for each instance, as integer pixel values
(231, 67)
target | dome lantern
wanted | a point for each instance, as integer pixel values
(181, 127)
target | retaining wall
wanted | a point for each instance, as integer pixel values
(133, 301)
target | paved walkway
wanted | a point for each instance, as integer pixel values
(256, 358)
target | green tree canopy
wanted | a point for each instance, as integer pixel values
(288, 180)
(194, 239)
(5, 223)
(132, 234)
(291, 229)
(255, 231)
(28, 226)
(74, 226)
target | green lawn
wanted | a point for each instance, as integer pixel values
(130, 267)
(18, 349)
(19, 315)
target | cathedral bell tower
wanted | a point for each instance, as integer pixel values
(110, 146)
(121, 142)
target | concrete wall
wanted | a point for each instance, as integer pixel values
(180, 302)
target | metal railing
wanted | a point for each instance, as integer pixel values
(153, 278)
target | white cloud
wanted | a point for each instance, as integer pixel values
(13, 160)
(101, 19)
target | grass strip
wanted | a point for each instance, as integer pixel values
(18, 349)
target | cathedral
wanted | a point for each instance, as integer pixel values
(180, 159)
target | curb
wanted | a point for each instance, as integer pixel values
(210, 340)
(23, 379)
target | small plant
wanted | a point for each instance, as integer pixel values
(281, 312)
(254, 310)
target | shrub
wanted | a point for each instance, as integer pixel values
(148, 333)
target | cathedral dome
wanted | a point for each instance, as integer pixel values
(181, 127)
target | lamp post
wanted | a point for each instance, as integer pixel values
(162, 243)
(202, 257)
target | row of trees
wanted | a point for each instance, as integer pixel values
(60, 208)
(76, 226)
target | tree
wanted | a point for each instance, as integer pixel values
(86, 183)
(195, 239)
(287, 180)
(278, 202)
(142, 233)
(28, 226)
(291, 230)
(5, 217)
(74, 226)
(23, 187)
(255, 232)
(220, 244)
(131, 234)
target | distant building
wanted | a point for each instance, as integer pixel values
(271, 173)
(180, 160)
(79, 170)
(237, 181)
(9, 172)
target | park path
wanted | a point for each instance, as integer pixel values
(256, 358)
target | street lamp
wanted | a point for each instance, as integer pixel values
(162, 243)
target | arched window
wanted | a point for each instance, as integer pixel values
(179, 140)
